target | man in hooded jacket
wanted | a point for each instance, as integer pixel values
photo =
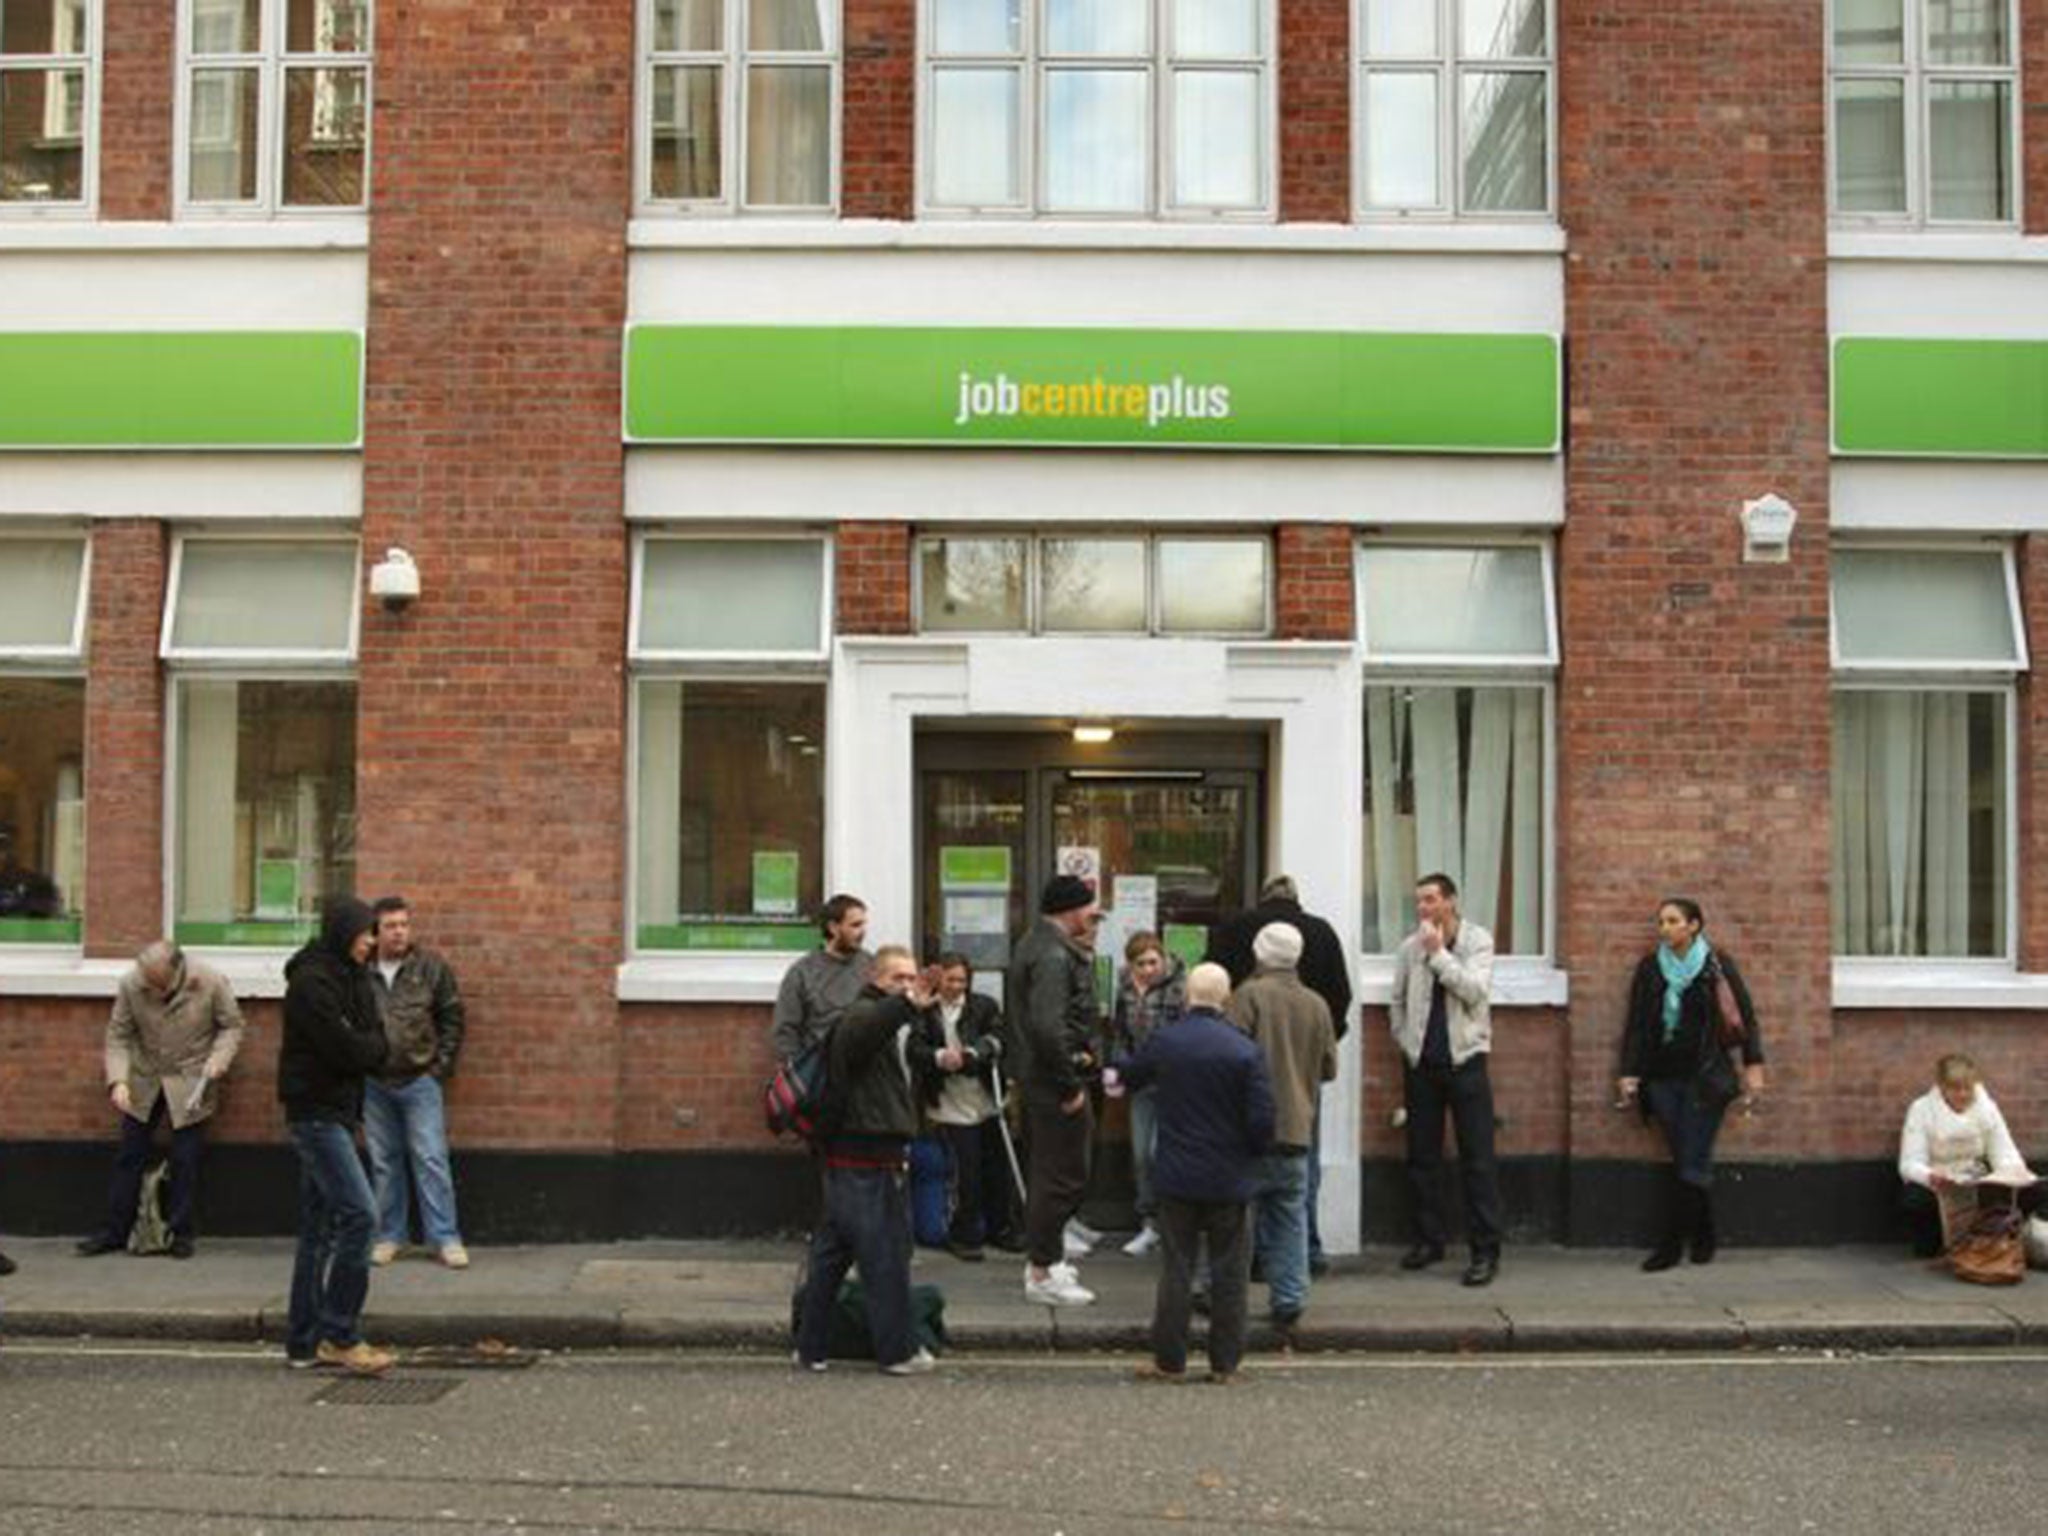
(332, 1039)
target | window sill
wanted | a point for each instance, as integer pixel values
(41, 970)
(1922, 245)
(706, 978)
(1938, 985)
(1517, 983)
(344, 232)
(684, 234)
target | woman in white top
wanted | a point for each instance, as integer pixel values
(1954, 1134)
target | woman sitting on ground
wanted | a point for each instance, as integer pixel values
(1954, 1136)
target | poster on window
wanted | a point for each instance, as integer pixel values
(1083, 863)
(775, 883)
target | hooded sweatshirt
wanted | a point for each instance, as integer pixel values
(332, 1034)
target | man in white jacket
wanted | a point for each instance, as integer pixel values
(1953, 1136)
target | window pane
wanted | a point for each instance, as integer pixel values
(979, 26)
(227, 26)
(248, 595)
(1969, 149)
(57, 27)
(1870, 31)
(1401, 28)
(1455, 602)
(324, 115)
(1096, 140)
(789, 26)
(974, 138)
(327, 26)
(972, 584)
(1503, 29)
(732, 595)
(223, 128)
(1870, 146)
(789, 136)
(42, 126)
(1967, 32)
(42, 808)
(688, 26)
(729, 826)
(1401, 140)
(1454, 782)
(1920, 607)
(1216, 29)
(1217, 139)
(1212, 586)
(1507, 131)
(1092, 584)
(1920, 816)
(687, 151)
(1098, 26)
(39, 590)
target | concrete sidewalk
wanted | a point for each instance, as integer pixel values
(735, 1295)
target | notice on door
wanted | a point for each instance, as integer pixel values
(1083, 863)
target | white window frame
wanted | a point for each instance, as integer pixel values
(1516, 663)
(86, 59)
(270, 64)
(1450, 68)
(218, 658)
(1034, 602)
(734, 61)
(1919, 673)
(1914, 74)
(645, 657)
(70, 656)
(1032, 62)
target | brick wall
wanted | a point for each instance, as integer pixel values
(872, 562)
(1883, 1060)
(1527, 1067)
(695, 1078)
(138, 64)
(1315, 123)
(2034, 114)
(1693, 700)
(491, 734)
(879, 135)
(1312, 571)
(124, 740)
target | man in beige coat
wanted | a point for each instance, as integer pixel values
(1292, 1026)
(173, 1035)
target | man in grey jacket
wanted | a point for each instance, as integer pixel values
(1440, 1013)
(404, 1116)
(173, 1035)
(821, 986)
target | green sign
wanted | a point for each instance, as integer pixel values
(1353, 390)
(273, 935)
(1941, 399)
(181, 389)
(277, 888)
(967, 868)
(40, 930)
(775, 883)
(1190, 941)
(728, 936)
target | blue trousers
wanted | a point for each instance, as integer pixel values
(408, 1141)
(866, 1223)
(331, 1270)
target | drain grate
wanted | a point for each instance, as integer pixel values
(387, 1391)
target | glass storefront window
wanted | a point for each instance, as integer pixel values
(42, 809)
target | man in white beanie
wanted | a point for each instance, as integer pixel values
(1292, 1025)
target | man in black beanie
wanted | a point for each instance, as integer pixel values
(1050, 992)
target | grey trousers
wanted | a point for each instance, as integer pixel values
(1183, 1224)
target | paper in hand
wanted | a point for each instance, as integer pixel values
(197, 1095)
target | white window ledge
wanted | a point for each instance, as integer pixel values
(703, 978)
(1931, 984)
(1517, 983)
(50, 971)
(1936, 245)
(1535, 238)
(343, 232)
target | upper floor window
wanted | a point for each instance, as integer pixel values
(47, 77)
(1924, 120)
(274, 105)
(1454, 107)
(740, 105)
(1102, 108)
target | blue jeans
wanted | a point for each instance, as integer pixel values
(1144, 1145)
(331, 1271)
(1689, 1122)
(866, 1223)
(408, 1143)
(1283, 1227)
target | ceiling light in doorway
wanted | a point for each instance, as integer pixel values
(1093, 733)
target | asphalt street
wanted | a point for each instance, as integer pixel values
(219, 1439)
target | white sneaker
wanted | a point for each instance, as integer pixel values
(383, 1253)
(1075, 1241)
(1082, 1230)
(1146, 1240)
(917, 1365)
(1061, 1287)
(455, 1256)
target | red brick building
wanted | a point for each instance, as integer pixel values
(802, 417)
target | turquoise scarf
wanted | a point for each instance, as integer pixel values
(1680, 972)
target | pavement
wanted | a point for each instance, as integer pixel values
(734, 1295)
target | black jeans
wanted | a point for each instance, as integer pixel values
(1057, 1180)
(982, 1203)
(1691, 1121)
(138, 1140)
(1467, 1094)
(866, 1224)
(1183, 1224)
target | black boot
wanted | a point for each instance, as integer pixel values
(1671, 1240)
(1705, 1241)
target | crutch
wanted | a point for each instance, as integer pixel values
(995, 1080)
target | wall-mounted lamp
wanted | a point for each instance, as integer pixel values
(1767, 525)
(1094, 735)
(395, 580)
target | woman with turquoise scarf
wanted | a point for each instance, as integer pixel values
(1673, 1067)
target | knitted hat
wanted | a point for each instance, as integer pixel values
(1063, 893)
(1278, 946)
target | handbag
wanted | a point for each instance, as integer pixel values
(1731, 1030)
(1990, 1251)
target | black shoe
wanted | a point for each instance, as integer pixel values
(1422, 1255)
(966, 1253)
(1007, 1242)
(1481, 1270)
(1664, 1256)
(182, 1248)
(99, 1243)
(1286, 1317)
(1318, 1265)
(7, 1265)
